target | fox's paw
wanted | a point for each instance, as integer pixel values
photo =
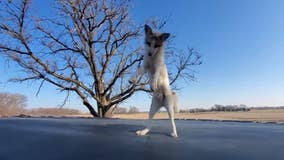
(173, 135)
(142, 132)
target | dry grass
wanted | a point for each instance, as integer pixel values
(52, 112)
(271, 115)
(268, 115)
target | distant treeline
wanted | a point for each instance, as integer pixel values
(215, 108)
(121, 110)
(228, 108)
(218, 108)
(265, 108)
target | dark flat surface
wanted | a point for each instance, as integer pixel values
(68, 139)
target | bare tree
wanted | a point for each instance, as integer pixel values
(90, 48)
(12, 104)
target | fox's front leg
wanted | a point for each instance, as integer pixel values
(154, 82)
(140, 72)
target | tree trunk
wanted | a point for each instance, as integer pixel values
(103, 111)
(91, 108)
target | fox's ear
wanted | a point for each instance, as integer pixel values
(148, 29)
(164, 36)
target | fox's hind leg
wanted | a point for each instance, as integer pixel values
(170, 108)
(155, 106)
(171, 115)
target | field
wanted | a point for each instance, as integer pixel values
(271, 115)
(254, 115)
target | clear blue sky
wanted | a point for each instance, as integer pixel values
(242, 44)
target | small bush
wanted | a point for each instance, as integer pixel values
(12, 104)
(133, 109)
(119, 110)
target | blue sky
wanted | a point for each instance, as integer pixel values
(241, 42)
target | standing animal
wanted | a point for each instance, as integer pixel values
(154, 65)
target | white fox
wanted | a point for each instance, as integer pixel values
(155, 67)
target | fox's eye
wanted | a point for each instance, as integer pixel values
(148, 43)
(157, 46)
